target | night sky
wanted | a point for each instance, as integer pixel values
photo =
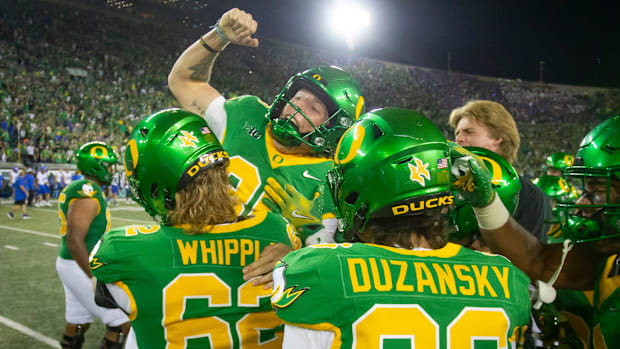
(579, 41)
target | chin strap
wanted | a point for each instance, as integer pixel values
(545, 293)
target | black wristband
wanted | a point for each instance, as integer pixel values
(209, 48)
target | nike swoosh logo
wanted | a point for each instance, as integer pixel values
(297, 215)
(308, 175)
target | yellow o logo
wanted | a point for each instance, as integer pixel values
(104, 152)
(569, 160)
(358, 137)
(133, 152)
(317, 77)
(277, 159)
(496, 170)
(564, 186)
(359, 107)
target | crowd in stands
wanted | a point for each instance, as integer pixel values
(71, 74)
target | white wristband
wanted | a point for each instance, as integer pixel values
(493, 215)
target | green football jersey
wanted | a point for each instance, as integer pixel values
(375, 296)
(606, 324)
(187, 291)
(83, 189)
(253, 158)
(594, 316)
(575, 314)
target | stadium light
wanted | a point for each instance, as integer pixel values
(348, 20)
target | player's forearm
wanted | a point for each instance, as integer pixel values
(515, 243)
(196, 62)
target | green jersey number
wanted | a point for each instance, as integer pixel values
(247, 184)
(220, 332)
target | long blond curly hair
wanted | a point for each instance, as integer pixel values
(208, 200)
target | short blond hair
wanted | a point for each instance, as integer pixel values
(207, 201)
(496, 119)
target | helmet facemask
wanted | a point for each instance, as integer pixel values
(341, 97)
(598, 220)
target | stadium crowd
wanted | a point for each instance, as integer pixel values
(60, 87)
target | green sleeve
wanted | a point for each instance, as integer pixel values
(103, 261)
(299, 286)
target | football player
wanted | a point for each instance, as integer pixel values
(588, 258)
(557, 162)
(84, 218)
(559, 191)
(114, 188)
(405, 286)
(181, 281)
(290, 142)
(489, 125)
(20, 194)
(44, 188)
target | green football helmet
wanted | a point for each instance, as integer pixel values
(598, 157)
(391, 162)
(506, 184)
(560, 160)
(558, 190)
(94, 160)
(342, 97)
(165, 152)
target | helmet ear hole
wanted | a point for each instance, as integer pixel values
(377, 131)
(169, 202)
(144, 131)
(154, 190)
(352, 198)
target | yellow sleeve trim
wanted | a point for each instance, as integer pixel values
(258, 218)
(97, 201)
(607, 285)
(449, 250)
(134, 308)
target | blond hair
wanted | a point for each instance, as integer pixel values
(498, 121)
(208, 200)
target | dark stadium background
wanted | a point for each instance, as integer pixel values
(577, 40)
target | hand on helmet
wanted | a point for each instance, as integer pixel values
(471, 177)
(302, 213)
(239, 26)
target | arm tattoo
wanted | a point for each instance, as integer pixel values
(202, 70)
(198, 107)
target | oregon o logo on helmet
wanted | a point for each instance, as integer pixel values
(359, 107)
(423, 204)
(358, 136)
(317, 77)
(133, 153)
(569, 159)
(496, 169)
(104, 152)
(564, 186)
